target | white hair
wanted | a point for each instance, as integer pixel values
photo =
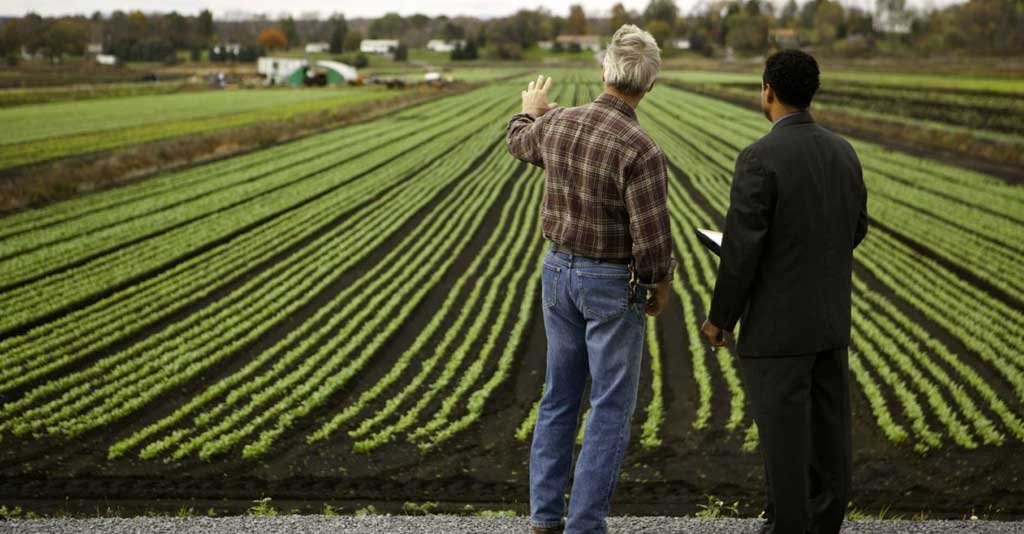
(632, 60)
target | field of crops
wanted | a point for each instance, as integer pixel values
(356, 316)
(40, 132)
(941, 111)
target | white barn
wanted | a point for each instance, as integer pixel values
(378, 46)
(440, 45)
(317, 48)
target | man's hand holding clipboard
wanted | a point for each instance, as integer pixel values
(710, 239)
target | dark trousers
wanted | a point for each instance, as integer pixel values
(801, 405)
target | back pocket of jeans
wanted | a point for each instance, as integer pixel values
(604, 294)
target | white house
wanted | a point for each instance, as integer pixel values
(440, 45)
(317, 48)
(892, 21)
(585, 42)
(227, 48)
(681, 44)
(93, 49)
(378, 46)
(106, 59)
(545, 45)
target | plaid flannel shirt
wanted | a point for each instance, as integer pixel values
(605, 186)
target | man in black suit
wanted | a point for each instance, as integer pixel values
(798, 208)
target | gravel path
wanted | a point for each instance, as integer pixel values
(441, 524)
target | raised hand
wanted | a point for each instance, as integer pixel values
(535, 97)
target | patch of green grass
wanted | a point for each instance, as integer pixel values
(717, 508)
(262, 507)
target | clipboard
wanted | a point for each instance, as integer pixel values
(711, 240)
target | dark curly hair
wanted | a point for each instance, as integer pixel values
(793, 75)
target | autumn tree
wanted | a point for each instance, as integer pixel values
(272, 39)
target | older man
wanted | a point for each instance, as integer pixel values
(610, 261)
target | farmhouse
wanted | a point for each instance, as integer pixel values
(585, 42)
(784, 37)
(441, 45)
(317, 48)
(378, 46)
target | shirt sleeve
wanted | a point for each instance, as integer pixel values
(523, 135)
(646, 198)
(751, 206)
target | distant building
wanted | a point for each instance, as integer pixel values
(890, 17)
(106, 59)
(93, 49)
(784, 37)
(293, 71)
(282, 70)
(585, 42)
(233, 49)
(545, 45)
(441, 45)
(317, 48)
(378, 46)
(338, 72)
(681, 44)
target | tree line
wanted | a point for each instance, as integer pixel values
(982, 27)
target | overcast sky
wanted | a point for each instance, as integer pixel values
(353, 8)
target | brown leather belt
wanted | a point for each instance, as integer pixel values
(560, 248)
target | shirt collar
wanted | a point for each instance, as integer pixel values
(615, 102)
(799, 112)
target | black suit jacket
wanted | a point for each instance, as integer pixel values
(798, 208)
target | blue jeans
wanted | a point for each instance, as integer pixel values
(595, 328)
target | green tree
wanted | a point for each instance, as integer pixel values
(64, 36)
(176, 29)
(401, 53)
(204, 25)
(291, 31)
(789, 13)
(390, 26)
(747, 32)
(663, 10)
(339, 30)
(352, 40)
(618, 17)
(577, 22)
(452, 32)
(661, 32)
(829, 22)
(418, 21)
